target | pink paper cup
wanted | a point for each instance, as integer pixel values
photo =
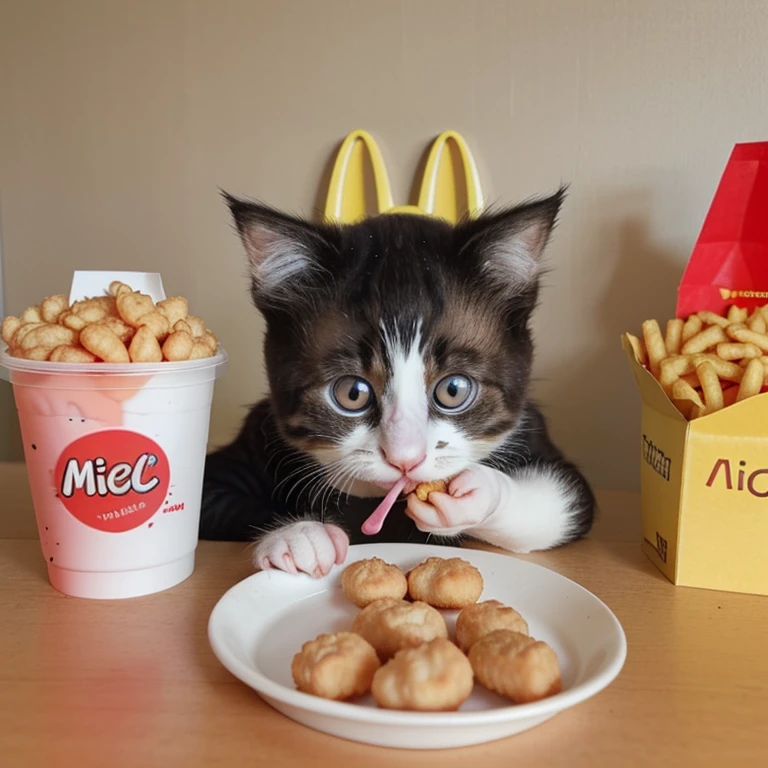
(115, 457)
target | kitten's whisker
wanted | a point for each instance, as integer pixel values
(289, 476)
(303, 481)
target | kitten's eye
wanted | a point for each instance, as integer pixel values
(453, 392)
(352, 394)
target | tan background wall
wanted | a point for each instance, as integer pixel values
(119, 121)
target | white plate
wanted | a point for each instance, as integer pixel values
(260, 623)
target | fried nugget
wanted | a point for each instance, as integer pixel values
(516, 666)
(335, 666)
(445, 583)
(478, 620)
(390, 625)
(435, 677)
(369, 580)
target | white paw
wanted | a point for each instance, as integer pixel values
(306, 547)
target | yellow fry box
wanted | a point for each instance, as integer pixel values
(704, 487)
(704, 481)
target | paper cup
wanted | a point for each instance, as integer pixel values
(115, 457)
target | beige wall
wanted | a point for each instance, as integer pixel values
(119, 121)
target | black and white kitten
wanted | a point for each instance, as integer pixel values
(398, 351)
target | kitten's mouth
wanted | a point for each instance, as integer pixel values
(375, 522)
(408, 488)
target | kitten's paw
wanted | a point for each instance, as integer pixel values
(472, 496)
(307, 547)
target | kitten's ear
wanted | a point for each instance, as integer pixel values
(282, 250)
(509, 244)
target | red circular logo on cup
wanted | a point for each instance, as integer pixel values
(113, 480)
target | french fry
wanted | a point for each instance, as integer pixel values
(756, 323)
(737, 314)
(654, 343)
(711, 318)
(733, 350)
(681, 390)
(727, 370)
(705, 339)
(691, 327)
(748, 336)
(752, 381)
(672, 368)
(691, 378)
(637, 346)
(674, 337)
(710, 385)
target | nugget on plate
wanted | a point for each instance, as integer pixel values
(435, 677)
(516, 666)
(480, 619)
(445, 583)
(369, 580)
(335, 666)
(390, 625)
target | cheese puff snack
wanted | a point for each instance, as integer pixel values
(123, 326)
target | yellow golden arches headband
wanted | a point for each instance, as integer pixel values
(450, 188)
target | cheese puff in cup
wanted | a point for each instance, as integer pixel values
(115, 437)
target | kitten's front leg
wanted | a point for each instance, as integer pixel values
(307, 546)
(539, 506)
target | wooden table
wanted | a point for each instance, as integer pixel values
(134, 683)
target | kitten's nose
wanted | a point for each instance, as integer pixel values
(405, 460)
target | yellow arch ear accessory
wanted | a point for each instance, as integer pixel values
(359, 186)
(348, 191)
(450, 188)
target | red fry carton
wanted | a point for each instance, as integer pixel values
(704, 483)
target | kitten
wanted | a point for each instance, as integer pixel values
(397, 351)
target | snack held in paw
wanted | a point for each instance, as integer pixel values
(335, 666)
(372, 579)
(124, 326)
(445, 583)
(516, 666)
(435, 677)
(478, 620)
(391, 625)
(423, 490)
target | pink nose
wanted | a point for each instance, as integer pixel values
(405, 461)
